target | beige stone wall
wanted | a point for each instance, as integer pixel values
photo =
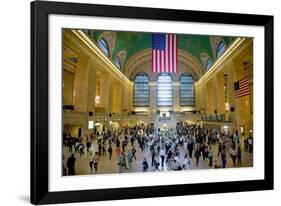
(83, 80)
(68, 80)
(217, 88)
(72, 130)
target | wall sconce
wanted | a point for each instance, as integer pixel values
(226, 106)
(91, 124)
(97, 99)
(242, 130)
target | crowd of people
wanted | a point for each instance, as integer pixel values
(181, 148)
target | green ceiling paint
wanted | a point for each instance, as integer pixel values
(133, 42)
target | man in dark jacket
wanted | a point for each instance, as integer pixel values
(71, 165)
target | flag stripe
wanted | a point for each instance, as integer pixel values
(177, 69)
(166, 56)
(153, 60)
(159, 58)
(170, 52)
(163, 60)
(174, 53)
(158, 61)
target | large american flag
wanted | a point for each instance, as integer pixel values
(164, 53)
(242, 87)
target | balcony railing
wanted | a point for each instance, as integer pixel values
(214, 117)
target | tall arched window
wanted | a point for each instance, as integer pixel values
(117, 62)
(220, 49)
(164, 90)
(208, 64)
(87, 31)
(187, 90)
(103, 46)
(141, 90)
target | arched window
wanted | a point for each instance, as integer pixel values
(117, 62)
(187, 90)
(87, 31)
(141, 90)
(220, 49)
(164, 90)
(103, 46)
(208, 64)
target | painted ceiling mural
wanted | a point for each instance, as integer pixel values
(134, 42)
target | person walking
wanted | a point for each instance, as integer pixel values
(71, 165)
(144, 165)
(210, 156)
(186, 162)
(220, 149)
(162, 156)
(203, 151)
(134, 153)
(233, 156)
(223, 158)
(76, 146)
(197, 156)
(122, 162)
(250, 143)
(81, 149)
(70, 144)
(110, 151)
(130, 158)
(153, 154)
(88, 145)
(96, 161)
(156, 163)
(132, 139)
(104, 149)
(239, 156)
(190, 148)
(91, 163)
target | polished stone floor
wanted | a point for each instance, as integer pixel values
(107, 166)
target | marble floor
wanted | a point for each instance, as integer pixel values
(107, 166)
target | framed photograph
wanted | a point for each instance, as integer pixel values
(133, 102)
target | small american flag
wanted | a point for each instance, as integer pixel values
(242, 88)
(164, 53)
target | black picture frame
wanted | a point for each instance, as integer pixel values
(39, 102)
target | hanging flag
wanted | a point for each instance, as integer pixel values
(242, 87)
(164, 53)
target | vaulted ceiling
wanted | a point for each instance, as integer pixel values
(130, 43)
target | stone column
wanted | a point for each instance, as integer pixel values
(231, 78)
(106, 92)
(80, 93)
(197, 92)
(153, 96)
(219, 93)
(116, 97)
(176, 96)
(204, 98)
(130, 96)
(91, 87)
(126, 98)
(210, 97)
